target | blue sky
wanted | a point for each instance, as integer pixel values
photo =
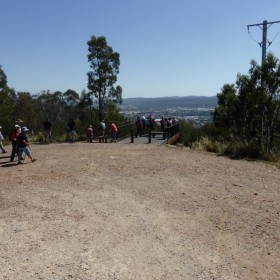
(166, 47)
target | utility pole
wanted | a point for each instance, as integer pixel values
(264, 26)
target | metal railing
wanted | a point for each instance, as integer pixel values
(129, 130)
(125, 131)
(167, 134)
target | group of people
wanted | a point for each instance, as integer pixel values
(90, 134)
(167, 122)
(20, 143)
(144, 123)
(102, 128)
(71, 131)
(167, 125)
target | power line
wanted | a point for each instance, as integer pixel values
(264, 26)
(270, 42)
(253, 38)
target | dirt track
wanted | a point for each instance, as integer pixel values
(128, 211)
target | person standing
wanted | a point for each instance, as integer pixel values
(72, 129)
(47, 130)
(162, 124)
(1, 139)
(102, 127)
(174, 120)
(89, 134)
(165, 126)
(23, 145)
(139, 127)
(13, 138)
(114, 131)
(144, 124)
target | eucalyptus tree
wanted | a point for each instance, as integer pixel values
(71, 98)
(104, 64)
(6, 102)
(53, 108)
(225, 114)
(28, 109)
(249, 111)
(89, 113)
(270, 84)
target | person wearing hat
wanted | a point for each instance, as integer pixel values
(23, 145)
(19, 122)
(1, 145)
(13, 138)
(89, 134)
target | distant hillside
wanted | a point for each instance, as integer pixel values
(160, 103)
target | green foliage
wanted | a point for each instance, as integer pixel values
(104, 63)
(192, 134)
(225, 114)
(113, 114)
(209, 138)
(249, 112)
(243, 150)
(28, 109)
(6, 102)
(189, 133)
(39, 137)
(211, 146)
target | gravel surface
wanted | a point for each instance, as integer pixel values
(138, 211)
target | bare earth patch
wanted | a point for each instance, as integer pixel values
(136, 211)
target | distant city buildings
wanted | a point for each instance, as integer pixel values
(198, 116)
(197, 110)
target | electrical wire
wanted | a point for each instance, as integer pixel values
(270, 42)
(260, 44)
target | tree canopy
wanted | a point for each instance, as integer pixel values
(104, 63)
(6, 99)
(249, 110)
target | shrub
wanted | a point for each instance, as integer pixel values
(243, 150)
(189, 133)
(38, 137)
(209, 145)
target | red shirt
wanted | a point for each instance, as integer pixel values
(15, 134)
(114, 128)
(89, 132)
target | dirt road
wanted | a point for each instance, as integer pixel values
(128, 211)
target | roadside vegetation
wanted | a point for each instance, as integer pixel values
(246, 122)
